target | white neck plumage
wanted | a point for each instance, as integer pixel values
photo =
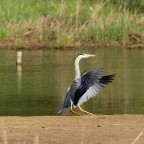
(77, 70)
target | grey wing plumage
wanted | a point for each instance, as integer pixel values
(91, 83)
(66, 103)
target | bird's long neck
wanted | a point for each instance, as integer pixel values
(77, 70)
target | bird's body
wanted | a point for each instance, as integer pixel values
(84, 86)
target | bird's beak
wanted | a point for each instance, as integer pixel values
(89, 55)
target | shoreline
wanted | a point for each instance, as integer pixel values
(105, 129)
(10, 45)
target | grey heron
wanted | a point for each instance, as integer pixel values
(84, 86)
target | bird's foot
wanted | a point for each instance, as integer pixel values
(85, 111)
(76, 112)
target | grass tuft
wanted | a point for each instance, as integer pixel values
(68, 23)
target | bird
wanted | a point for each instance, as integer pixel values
(85, 86)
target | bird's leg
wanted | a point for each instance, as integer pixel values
(71, 110)
(85, 111)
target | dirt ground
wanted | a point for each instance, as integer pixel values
(126, 129)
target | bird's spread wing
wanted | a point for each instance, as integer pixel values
(91, 83)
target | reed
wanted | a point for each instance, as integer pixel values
(67, 23)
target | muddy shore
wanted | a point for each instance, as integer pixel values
(36, 45)
(125, 129)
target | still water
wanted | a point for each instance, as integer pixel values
(39, 86)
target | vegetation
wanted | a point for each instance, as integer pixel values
(64, 23)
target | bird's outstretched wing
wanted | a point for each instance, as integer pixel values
(91, 83)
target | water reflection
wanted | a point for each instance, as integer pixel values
(39, 86)
(19, 76)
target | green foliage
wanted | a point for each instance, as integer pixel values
(132, 5)
(65, 23)
(20, 44)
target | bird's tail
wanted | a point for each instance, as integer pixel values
(65, 104)
(106, 79)
(60, 111)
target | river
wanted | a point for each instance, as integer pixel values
(38, 86)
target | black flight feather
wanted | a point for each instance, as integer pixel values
(106, 79)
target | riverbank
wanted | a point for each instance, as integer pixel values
(69, 24)
(10, 45)
(115, 129)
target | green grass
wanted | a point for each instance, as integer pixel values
(131, 5)
(64, 23)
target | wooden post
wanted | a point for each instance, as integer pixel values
(19, 58)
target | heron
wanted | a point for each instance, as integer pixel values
(84, 87)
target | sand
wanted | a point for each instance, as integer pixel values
(117, 129)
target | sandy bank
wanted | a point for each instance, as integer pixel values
(72, 129)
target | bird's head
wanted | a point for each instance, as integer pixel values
(81, 56)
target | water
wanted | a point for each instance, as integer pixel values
(40, 86)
